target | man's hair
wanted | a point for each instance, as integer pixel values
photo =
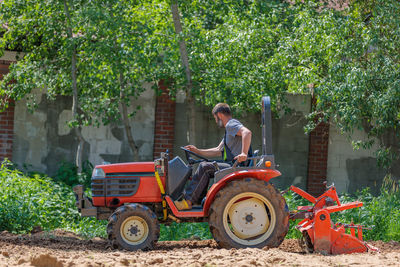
(222, 108)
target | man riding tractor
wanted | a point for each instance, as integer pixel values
(235, 146)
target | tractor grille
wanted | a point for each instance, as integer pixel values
(117, 184)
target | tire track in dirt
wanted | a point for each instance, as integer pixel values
(60, 249)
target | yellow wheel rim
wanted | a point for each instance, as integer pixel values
(134, 230)
(249, 218)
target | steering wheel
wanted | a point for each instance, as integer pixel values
(192, 160)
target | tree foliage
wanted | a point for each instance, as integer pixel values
(128, 44)
(113, 47)
(48, 32)
(346, 57)
(350, 60)
(232, 45)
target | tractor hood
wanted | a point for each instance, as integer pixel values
(129, 167)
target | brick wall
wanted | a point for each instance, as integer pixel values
(6, 122)
(164, 122)
(318, 159)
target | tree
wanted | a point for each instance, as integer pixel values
(127, 43)
(46, 31)
(100, 53)
(347, 58)
(185, 64)
(75, 102)
(351, 59)
(231, 46)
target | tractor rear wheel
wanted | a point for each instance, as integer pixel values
(249, 213)
(133, 227)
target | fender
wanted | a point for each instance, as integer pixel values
(261, 174)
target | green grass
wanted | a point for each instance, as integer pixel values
(33, 200)
(179, 231)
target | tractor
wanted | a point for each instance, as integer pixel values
(242, 207)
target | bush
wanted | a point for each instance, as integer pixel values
(68, 174)
(26, 202)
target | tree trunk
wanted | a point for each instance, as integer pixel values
(75, 104)
(125, 119)
(123, 106)
(185, 63)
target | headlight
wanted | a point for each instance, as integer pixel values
(98, 173)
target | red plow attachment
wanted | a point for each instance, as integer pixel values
(319, 233)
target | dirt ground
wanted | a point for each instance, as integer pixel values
(60, 248)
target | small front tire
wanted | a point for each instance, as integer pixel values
(133, 227)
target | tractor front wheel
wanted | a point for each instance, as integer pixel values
(249, 213)
(133, 227)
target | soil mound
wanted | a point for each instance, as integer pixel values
(45, 260)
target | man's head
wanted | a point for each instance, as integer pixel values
(222, 114)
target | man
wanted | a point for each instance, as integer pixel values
(234, 146)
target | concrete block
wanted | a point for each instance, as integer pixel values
(92, 133)
(108, 147)
(146, 151)
(64, 117)
(339, 177)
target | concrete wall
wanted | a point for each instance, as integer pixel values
(351, 170)
(290, 144)
(42, 140)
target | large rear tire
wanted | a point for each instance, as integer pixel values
(249, 213)
(133, 227)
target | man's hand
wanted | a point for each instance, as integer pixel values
(192, 148)
(241, 157)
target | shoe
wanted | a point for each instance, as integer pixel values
(183, 205)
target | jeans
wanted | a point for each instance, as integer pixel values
(197, 188)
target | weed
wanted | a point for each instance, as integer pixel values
(68, 174)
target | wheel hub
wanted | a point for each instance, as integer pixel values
(134, 230)
(248, 218)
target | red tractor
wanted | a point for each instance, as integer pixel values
(242, 207)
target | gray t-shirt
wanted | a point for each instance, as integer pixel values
(233, 141)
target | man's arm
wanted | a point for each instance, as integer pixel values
(207, 153)
(246, 141)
